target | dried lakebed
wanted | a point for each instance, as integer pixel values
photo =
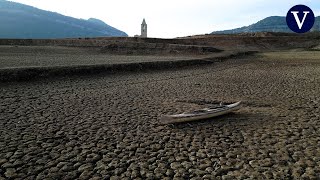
(47, 56)
(24, 63)
(108, 126)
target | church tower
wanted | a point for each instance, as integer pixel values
(144, 29)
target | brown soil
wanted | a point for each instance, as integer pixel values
(33, 58)
(108, 125)
(33, 62)
(198, 44)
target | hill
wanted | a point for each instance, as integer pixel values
(26, 22)
(269, 24)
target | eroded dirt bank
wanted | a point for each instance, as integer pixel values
(24, 63)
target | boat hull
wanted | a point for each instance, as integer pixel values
(209, 113)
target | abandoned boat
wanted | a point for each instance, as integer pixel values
(201, 114)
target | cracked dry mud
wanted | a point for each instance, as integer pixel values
(108, 126)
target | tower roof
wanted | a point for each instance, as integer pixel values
(144, 21)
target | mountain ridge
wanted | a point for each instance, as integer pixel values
(268, 24)
(23, 21)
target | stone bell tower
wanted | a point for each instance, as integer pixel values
(144, 29)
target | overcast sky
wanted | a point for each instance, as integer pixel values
(173, 18)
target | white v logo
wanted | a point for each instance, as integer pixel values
(299, 23)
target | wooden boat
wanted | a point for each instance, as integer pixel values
(201, 114)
